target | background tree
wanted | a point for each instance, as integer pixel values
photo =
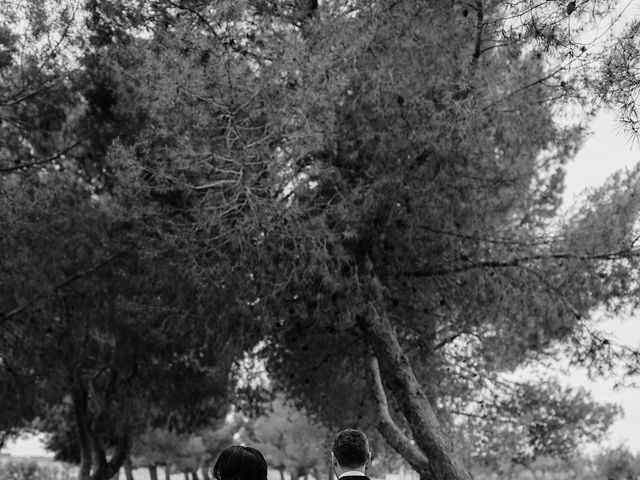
(290, 440)
(122, 344)
(94, 336)
(534, 420)
(617, 464)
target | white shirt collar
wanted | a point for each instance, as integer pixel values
(353, 473)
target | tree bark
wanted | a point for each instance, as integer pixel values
(84, 442)
(128, 469)
(194, 475)
(390, 430)
(153, 472)
(281, 470)
(107, 469)
(421, 418)
(167, 472)
(99, 456)
(205, 472)
(186, 475)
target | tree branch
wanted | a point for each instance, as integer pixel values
(389, 428)
(479, 28)
(58, 286)
(473, 238)
(79, 395)
(519, 261)
(450, 337)
(415, 404)
(40, 162)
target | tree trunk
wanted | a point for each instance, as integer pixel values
(186, 475)
(281, 470)
(84, 442)
(107, 469)
(153, 472)
(167, 472)
(205, 472)
(194, 475)
(99, 457)
(421, 418)
(128, 469)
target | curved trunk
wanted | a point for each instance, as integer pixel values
(416, 407)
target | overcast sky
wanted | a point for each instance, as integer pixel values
(607, 150)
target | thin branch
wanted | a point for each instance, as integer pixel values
(16, 99)
(41, 162)
(574, 311)
(518, 262)
(499, 241)
(58, 286)
(450, 337)
(529, 85)
(217, 183)
(479, 29)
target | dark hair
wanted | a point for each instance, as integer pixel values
(351, 448)
(240, 463)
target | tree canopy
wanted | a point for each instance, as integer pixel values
(365, 194)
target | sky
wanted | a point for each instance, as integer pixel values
(608, 149)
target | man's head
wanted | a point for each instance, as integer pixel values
(240, 463)
(350, 451)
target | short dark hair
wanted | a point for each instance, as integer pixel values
(240, 463)
(351, 448)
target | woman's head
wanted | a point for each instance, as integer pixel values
(240, 463)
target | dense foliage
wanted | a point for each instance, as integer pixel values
(363, 194)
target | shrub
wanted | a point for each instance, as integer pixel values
(35, 470)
